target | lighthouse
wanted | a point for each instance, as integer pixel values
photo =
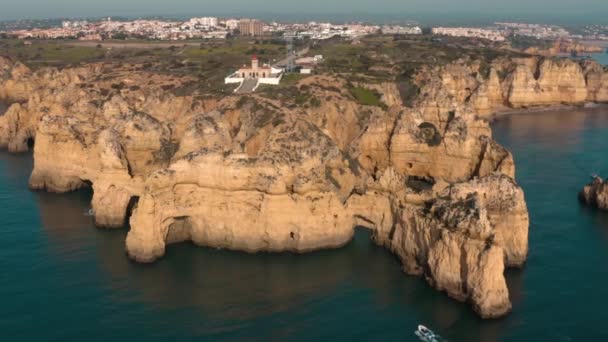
(250, 77)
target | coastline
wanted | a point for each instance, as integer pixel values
(241, 173)
(543, 109)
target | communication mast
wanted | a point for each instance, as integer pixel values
(289, 37)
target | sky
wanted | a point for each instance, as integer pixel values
(432, 11)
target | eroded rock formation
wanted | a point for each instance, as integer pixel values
(252, 173)
(517, 83)
(595, 194)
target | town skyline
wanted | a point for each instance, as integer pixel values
(223, 28)
(428, 12)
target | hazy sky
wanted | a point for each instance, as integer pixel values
(549, 10)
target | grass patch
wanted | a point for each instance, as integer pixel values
(291, 79)
(41, 53)
(366, 97)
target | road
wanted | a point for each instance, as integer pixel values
(283, 62)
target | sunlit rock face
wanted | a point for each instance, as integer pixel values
(595, 194)
(517, 83)
(549, 82)
(246, 173)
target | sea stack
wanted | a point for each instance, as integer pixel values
(595, 194)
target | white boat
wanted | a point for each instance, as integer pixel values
(426, 334)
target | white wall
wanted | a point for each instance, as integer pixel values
(266, 80)
(233, 78)
(271, 80)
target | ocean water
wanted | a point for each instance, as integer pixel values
(63, 279)
(602, 58)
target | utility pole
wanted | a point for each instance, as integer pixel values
(289, 36)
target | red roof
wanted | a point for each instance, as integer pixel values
(254, 58)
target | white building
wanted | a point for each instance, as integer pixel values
(204, 22)
(264, 74)
(401, 30)
(232, 24)
(74, 24)
(491, 34)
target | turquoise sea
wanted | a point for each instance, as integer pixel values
(601, 57)
(64, 280)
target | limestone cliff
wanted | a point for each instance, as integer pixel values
(517, 83)
(251, 173)
(566, 46)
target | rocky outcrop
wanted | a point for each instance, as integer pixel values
(597, 81)
(566, 46)
(551, 82)
(459, 240)
(288, 197)
(517, 83)
(251, 174)
(294, 195)
(595, 194)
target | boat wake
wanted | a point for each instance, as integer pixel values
(427, 335)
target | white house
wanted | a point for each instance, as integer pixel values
(260, 74)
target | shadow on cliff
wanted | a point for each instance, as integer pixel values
(3, 108)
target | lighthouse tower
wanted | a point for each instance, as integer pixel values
(254, 62)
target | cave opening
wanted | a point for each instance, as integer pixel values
(179, 231)
(420, 183)
(3, 107)
(537, 69)
(131, 206)
(30, 143)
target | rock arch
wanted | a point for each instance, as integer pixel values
(111, 205)
(179, 230)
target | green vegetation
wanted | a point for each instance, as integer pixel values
(342, 56)
(266, 51)
(385, 58)
(289, 93)
(291, 79)
(41, 53)
(209, 61)
(408, 90)
(366, 97)
(522, 42)
(369, 60)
